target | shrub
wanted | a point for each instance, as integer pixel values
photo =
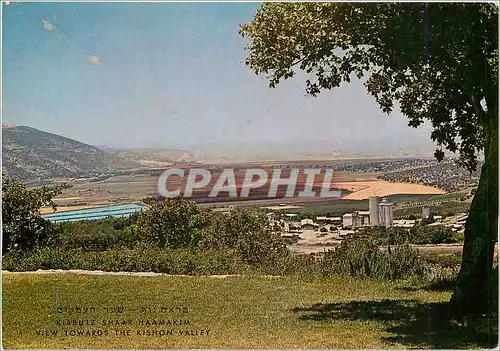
(174, 223)
(443, 259)
(440, 277)
(140, 259)
(432, 235)
(419, 235)
(294, 265)
(97, 235)
(361, 257)
(427, 220)
(357, 257)
(246, 232)
(389, 236)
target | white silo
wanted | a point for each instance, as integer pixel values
(373, 202)
(385, 213)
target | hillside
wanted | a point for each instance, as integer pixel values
(30, 154)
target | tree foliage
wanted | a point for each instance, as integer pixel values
(246, 232)
(23, 227)
(437, 61)
(176, 223)
(173, 223)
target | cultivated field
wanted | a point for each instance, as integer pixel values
(48, 209)
(364, 189)
(136, 187)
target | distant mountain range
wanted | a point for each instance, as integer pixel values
(29, 154)
(153, 156)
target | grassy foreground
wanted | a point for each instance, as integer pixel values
(233, 312)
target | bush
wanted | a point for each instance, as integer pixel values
(419, 235)
(443, 259)
(440, 277)
(246, 232)
(427, 220)
(356, 257)
(172, 223)
(140, 259)
(361, 257)
(97, 235)
(294, 265)
(389, 236)
(432, 235)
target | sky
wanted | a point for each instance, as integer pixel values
(169, 75)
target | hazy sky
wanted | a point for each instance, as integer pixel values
(167, 74)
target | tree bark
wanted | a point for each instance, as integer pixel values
(474, 290)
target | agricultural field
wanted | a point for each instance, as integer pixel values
(233, 312)
(434, 200)
(364, 189)
(443, 208)
(136, 187)
(337, 207)
(49, 210)
(332, 207)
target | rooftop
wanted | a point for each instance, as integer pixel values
(115, 211)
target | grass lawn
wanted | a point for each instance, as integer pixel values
(238, 312)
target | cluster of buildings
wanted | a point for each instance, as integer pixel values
(380, 213)
(455, 223)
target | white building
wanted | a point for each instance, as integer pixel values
(334, 219)
(347, 220)
(356, 219)
(307, 224)
(363, 218)
(404, 223)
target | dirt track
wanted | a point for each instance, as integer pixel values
(128, 274)
(440, 248)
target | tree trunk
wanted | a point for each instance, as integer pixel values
(474, 291)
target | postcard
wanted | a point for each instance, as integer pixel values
(249, 175)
